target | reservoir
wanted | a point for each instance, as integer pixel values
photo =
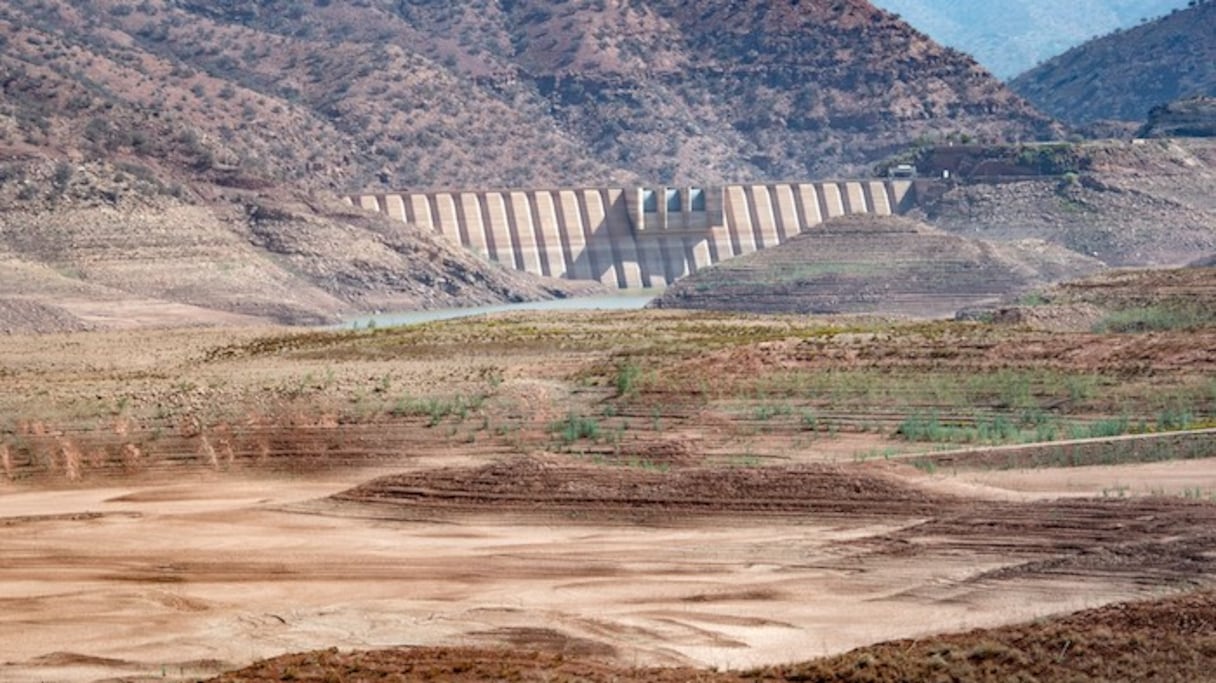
(587, 303)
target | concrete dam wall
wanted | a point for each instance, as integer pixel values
(637, 237)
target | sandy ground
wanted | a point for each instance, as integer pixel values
(183, 504)
(140, 313)
(191, 578)
(1193, 478)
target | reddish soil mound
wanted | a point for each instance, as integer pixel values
(451, 664)
(1057, 318)
(1191, 445)
(528, 486)
(1149, 541)
(294, 443)
(1162, 640)
(1139, 540)
(1122, 300)
(1120, 289)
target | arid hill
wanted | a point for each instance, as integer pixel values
(1125, 74)
(177, 161)
(1190, 117)
(100, 245)
(1146, 203)
(864, 264)
(474, 93)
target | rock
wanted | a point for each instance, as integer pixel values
(1193, 117)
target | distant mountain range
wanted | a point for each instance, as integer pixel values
(1124, 75)
(1011, 36)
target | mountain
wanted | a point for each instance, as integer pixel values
(169, 161)
(1011, 37)
(1123, 75)
(481, 93)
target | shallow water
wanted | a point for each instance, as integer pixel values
(617, 302)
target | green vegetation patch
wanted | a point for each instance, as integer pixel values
(438, 409)
(1011, 389)
(1124, 451)
(1157, 319)
(575, 427)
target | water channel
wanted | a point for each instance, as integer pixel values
(612, 302)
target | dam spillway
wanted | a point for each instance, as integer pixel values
(634, 238)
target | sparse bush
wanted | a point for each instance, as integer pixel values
(1102, 429)
(921, 428)
(62, 176)
(627, 374)
(995, 429)
(436, 410)
(98, 131)
(1068, 181)
(576, 427)
(1174, 419)
(767, 412)
(810, 422)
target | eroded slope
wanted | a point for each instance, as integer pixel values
(863, 264)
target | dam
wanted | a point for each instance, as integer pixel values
(634, 238)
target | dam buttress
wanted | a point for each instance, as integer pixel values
(637, 237)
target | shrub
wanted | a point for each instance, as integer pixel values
(921, 428)
(1110, 427)
(62, 176)
(626, 378)
(1174, 419)
(576, 427)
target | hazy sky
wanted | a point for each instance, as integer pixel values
(1011, 36)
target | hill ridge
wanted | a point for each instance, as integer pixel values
(1125, 74)
(478, 93)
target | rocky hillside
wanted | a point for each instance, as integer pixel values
(1125, 74)
(1191, 117)
(1147, 203)
(1011, 37)
(1016, 216)
(480, 93)
(866, 264)
(176, 160)
(100, 245)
